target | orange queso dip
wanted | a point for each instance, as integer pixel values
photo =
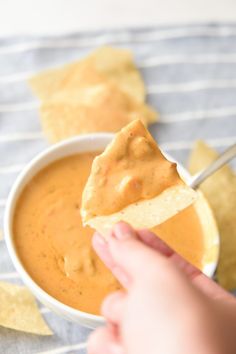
(56, 249)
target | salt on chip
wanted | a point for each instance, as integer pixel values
(113, 64)
(132, 181)
(220, 191)
(95, 109)
(19, 311)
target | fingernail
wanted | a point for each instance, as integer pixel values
(122, 235)
(99, 239)
(123, 231)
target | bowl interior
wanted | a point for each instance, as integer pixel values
(72, 146)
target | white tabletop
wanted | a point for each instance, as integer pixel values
(60, 16)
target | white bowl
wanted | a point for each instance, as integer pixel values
(85, 143)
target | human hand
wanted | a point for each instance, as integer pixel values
(168, 306)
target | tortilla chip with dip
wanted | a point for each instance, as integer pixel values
(220, 191)
(19, 311)
(98, 108)
(133, 181)
(113, 64)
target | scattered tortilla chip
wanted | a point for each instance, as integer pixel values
(18, 310)
(70, 78)
(220, 190)
(96, 109)
(101, 93)
(118, 66)
(113, 64)
(132, 181)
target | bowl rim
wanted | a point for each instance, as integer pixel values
(10, 208)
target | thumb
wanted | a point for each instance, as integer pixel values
(131, 255)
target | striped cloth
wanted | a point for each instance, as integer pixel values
(190, 73)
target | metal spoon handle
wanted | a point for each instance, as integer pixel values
(226, 156)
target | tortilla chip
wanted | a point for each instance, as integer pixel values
(132, 181)
(148, 213)
(96, 109)
(118, 66)
(71, 77)
(101, 93)
(18, 310)
(220, 190)
(112, 64)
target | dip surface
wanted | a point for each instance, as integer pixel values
(56, 249)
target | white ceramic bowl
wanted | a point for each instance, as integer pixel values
(86, 143)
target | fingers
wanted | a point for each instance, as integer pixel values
(130, 254)
(190, 270)
(125, 255)
(211, 289)
(123, 231)
(113, 307)
(147, 237)
(153, 241)
(103, 340)
(102, 249)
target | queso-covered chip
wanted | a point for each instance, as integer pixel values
(95, 109)
(132, 181)
(113, 64)
(18, 310)
(220, 191)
